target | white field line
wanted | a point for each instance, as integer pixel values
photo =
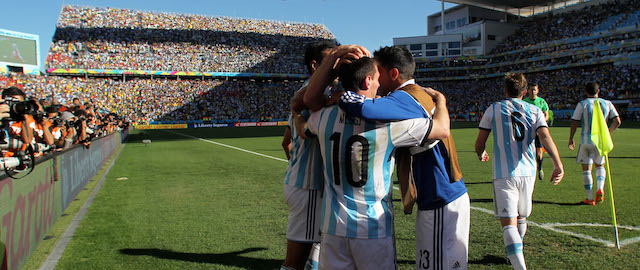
(547, 226)
(228, 146)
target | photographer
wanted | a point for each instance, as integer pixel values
(43, 139)
(57, 129)
(17, 125)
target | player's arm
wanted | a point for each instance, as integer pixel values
(396, 106)
(286, 142)
(441, 123)
(572, 132)
(481, 143)
(545, 110)
(550, 147)
(577, 116)
(297, 102)
(615, 124)
(314, 97)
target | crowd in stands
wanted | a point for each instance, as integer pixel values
(144, 100)
(562, 89)
(563, 25)
(107, 38)
(31, 127)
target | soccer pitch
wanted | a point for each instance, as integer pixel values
(212, 199)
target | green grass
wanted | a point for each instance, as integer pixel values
(189, 204)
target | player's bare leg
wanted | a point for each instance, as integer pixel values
(513, 243)
(297, 255)
(587, 179)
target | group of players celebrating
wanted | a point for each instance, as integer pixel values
(344, 139)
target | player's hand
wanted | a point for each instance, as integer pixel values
(438, 97)
(484, 157)
(299, 123)
(572, 144)
(347, 53)
(557, 175)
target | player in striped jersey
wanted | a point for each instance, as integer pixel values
(587, 153)
(303, 179)
(515, 124)
(358, 163)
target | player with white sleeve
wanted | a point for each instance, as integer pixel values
(515, 124)
(357, 212)
(588, 153)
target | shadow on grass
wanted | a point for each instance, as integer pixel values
(490, 259)
(559, 203)
(228, 258)
(481, 200)
(477, 183)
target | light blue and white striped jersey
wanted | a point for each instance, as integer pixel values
(514, 124)
(584, 113)
(358, 164)
(305, 166)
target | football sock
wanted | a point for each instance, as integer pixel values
(587, 179)
(314, 256)
(513, 244)
(522, 227)
(600, 176)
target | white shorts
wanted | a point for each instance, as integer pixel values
(512, 196)
(304, 214)
(442, 236)
(588, 154)
(344, 253)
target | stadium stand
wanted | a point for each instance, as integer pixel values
(107, 38)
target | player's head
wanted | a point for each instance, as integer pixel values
(360, 76)
(396, 66)
(315, 52)
(13, 92)
(515, 85)
(592, 89)
(533, 90)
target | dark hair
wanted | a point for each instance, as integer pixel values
(516, 84)
(314, 52)
(533, 84)
(12, 91)
(592, 88)
(352, 75)
(396, 57)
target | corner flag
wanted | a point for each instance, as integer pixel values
(601, 138)
(600, 131)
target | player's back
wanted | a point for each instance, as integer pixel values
(584, 113)
(514, 124)
(358, 165)
(305, 166)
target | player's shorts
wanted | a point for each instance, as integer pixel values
(588, 154)
(537, 142)
(337, 252)
(512, 196)
(442, 236)
(304, 214)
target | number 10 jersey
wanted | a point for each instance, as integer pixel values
(358, 163)
(514, 124)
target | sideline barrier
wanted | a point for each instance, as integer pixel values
(212, 125)
(30, 206)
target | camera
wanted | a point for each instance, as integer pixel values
(19, 108)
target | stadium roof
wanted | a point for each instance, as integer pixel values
(518, 7)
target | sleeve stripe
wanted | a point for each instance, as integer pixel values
(487, 129)
(426, 135)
